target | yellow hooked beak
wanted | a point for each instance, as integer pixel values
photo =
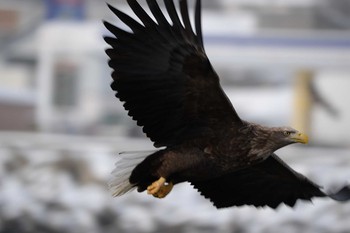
(300, 137)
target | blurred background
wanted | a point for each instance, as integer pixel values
(282, 62)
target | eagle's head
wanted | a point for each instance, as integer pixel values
(267, 140)
(283, 136)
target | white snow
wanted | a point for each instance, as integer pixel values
(66, 190)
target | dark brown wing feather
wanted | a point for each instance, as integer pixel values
(164, 77)
(269, 183)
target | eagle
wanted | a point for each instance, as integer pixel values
(164, 79)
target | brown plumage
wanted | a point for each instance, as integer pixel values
(168, 86)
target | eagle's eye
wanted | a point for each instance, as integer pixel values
(286, 133)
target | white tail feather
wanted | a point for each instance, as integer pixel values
(119, 183)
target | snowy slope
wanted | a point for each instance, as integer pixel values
(58, 184)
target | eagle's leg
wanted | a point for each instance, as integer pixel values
(159, 188)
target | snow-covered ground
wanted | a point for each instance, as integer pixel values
(51, 183)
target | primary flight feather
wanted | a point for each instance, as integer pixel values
(164, 77)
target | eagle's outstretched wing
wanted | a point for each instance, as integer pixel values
(164, 77)
(268, 183)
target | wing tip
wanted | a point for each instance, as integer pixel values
(107, 25)
(342, 194)
(112, 8)
(198, 21)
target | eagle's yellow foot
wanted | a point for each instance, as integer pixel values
(159, 188)
(164, 190)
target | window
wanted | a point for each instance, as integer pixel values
(65, 84)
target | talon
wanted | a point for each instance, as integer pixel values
(155, 186)
(164, 190)
(159, 189)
